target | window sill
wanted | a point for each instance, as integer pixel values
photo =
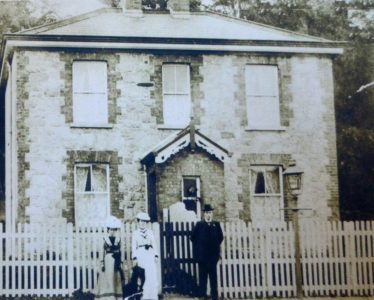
(266, 195)
(171, 127)
(265, 129)
(93, 126)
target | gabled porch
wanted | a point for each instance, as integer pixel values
(185, 167)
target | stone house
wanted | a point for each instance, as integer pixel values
(123, 109)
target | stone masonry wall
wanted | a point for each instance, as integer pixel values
(307, 115)
(45, 135)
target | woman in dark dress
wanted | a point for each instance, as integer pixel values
(109, 285)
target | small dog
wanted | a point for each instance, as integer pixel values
(134, 289)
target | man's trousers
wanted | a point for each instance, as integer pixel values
(208, 270)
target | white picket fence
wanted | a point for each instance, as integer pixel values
(257, 262)
(337, 259)
(54, 260)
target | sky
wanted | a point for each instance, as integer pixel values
(67, 8)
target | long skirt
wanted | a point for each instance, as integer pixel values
(109, 284)
(146, 260)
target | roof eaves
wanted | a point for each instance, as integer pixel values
(151, 154)
(212, 142)
(168, 40)
(3, 59)
(166, 143)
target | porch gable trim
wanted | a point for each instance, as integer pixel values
(175, 143)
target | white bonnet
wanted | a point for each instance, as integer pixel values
(113, 222)
(143, 216)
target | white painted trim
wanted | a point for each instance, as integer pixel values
(210, 148)
(183, 142)
(173, 149)
(193, 47)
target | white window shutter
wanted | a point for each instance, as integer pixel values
(262, 96)
(177, 110)
(176, 95)
(182, 78)
(90, 99)
(168, 79)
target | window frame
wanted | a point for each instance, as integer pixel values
(103, 95)
(252, 97)
(78, 193)
(198, 187)
(280, 176)
(279, 196)
(165, 93)
(198, 192)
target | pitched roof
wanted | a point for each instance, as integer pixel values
(199, 25)
(111, 28)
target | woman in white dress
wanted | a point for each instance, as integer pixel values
(145, 255)
(109, 284)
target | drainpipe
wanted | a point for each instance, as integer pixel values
(8, 150)
(145, 188)
(14, 148)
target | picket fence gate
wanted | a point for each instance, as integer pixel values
(337, 259)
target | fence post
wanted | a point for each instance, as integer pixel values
(298, 273)
(158, 240)
(70, 258)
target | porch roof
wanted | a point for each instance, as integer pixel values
(174, 143)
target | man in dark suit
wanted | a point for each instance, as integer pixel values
(206, 238)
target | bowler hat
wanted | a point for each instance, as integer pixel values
(208, 207)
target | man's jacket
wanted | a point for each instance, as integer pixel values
(206, 239)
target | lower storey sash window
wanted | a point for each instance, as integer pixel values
(266, 199)
(91, 193)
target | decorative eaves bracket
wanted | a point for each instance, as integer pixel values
(188, 137)
(194, 140)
